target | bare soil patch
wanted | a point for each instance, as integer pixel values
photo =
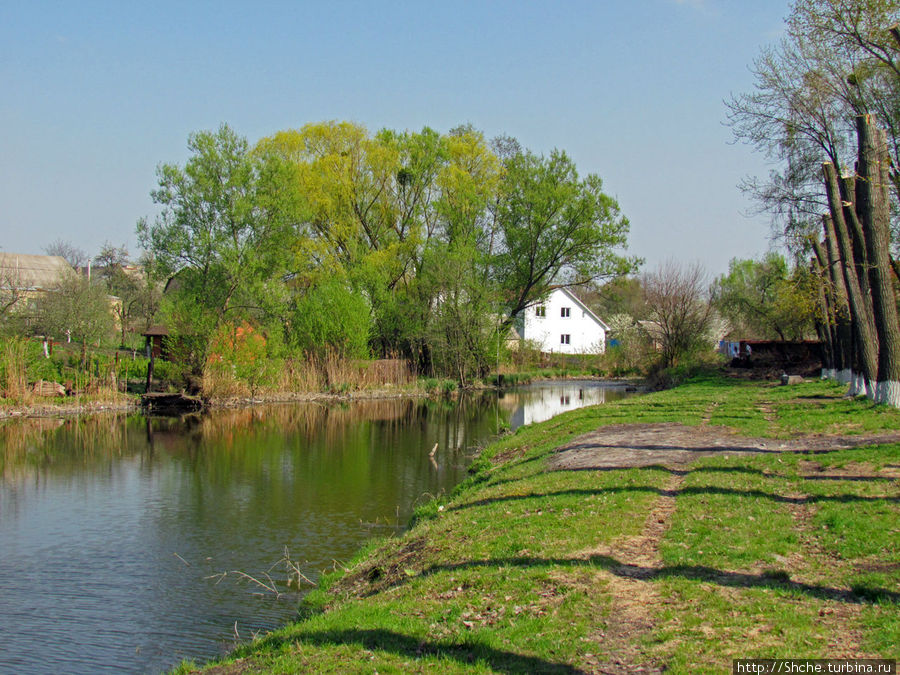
(632, 594)
(376, 576)
(622, 446)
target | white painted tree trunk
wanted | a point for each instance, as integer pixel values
(888, 393)
(854, 389)
(871, 389)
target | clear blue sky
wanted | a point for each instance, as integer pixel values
(93, 96)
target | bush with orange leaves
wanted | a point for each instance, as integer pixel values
(238, 363)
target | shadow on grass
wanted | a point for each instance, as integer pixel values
(410, 647)
(683, 492)
(733, 469)
(860, 594)
(735, 448)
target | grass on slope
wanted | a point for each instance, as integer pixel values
(525, 570)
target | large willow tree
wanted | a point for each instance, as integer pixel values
(444, 238)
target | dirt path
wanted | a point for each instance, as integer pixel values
(630, 588)
(630, 585)
(622, 446)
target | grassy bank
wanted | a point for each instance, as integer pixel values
(783, 548)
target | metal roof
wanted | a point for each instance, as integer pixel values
(32, 272)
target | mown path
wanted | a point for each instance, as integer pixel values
(673, 447)
(668, 533)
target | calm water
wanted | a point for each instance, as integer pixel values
(121, 538)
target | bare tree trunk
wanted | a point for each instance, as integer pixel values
(150, 371)
(820, 323)
(896, 267)
(862, 319)
(873, 205)
(842, 326)
(849, 199)
(823, 320)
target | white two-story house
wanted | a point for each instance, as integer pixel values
(564, 325)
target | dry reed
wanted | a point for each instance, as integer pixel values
(313, 375)
(15, 384)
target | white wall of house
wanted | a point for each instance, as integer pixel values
(562, 324)
(546, 401)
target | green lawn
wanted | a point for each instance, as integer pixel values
(525, 570)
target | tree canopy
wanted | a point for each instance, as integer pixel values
(441, 238)
(765, 299)
(836, 60)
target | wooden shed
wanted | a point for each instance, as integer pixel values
(157, 342)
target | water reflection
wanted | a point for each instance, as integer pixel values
(544, 400)
(121, 536)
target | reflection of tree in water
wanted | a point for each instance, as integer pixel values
(332, 423)
(32, 444)
(41, 444)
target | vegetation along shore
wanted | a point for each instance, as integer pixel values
(671, 532)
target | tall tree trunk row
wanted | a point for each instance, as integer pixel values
(873, 204)
(823, 320)
(843, 327)
(860, 299)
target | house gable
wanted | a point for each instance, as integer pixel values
(564, 324)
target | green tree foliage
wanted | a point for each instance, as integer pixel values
(76, 309)
(221, 237)
(330, 319)
(418, 242)
(389, 213)
(622, 295)
(764, 299)
(556, 228)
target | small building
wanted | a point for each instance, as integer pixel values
(156, 344)
(25, 277)
(562, 324)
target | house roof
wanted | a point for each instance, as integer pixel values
(583, 306)
(32, 272)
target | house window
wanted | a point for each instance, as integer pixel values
(564, 339)
(564, 312)
(540, 311)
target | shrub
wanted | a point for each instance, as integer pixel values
(331, 320)
(238, 360)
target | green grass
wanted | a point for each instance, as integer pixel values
(523, 570)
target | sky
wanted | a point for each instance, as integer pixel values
(95, 95)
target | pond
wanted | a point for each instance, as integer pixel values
(128, 543)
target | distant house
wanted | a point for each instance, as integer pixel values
(32, 272)
(563, 324)
(24, 277)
